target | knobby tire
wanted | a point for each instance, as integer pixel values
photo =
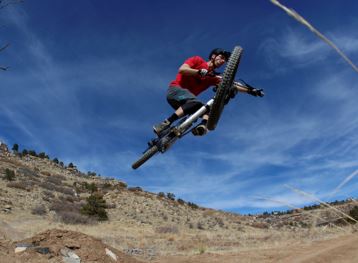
(224, 87)
(148, 154)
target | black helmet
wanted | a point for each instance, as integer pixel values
(220, 51)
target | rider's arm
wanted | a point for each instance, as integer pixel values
(248, 89)
(185, 69)
(240, 88)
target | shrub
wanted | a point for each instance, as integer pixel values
(61, 205)
(39, 210)
(47, 196)
(200, 226)
(181, 201)
(65, 190)
(61, 189)
(167, 229)
(43, 155)
(263, 225)
(21, 185)
(92, 187)
(67, 198)
(69, 213)
(27, 172)
(135, 189)
(55, 160)
(69, 217)
(48, 186)
(192, 205)
(56, 179)
(161, 194)
(91, 174)
(107, 185)
(202, 250)
(32, 153)
(122, 185)
(46, 173)
(220, 222)
(15, 147)
(171, 196)
(95, 207)
(9, 175)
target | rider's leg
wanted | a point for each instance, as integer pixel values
(191, 106)
(167, 122)
(183, 101)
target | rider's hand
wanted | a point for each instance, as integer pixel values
(203, 72)
(256, 92)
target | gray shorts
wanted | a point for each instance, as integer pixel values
(177, 97)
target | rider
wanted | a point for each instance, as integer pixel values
(195, 76)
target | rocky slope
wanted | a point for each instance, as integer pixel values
(45, 195)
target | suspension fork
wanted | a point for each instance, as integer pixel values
(189, 121)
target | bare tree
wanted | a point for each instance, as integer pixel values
(3, 4)
(1, 49)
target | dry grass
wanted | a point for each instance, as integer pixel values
(136, 221)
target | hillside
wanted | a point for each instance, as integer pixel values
(46, 196)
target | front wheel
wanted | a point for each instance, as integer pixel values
(147, 154)
(224, 87)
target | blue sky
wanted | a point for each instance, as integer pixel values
(87, 80)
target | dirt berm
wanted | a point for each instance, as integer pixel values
(60, 246)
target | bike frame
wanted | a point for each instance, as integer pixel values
(194, 117)
(169, 136)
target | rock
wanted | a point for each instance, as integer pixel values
(24, 245)
(71, 260)
(111, 254)
(72, 254)
(69, 256)
(7, 209)
(43, 250)
(20, 249)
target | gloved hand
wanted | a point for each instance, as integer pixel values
(203, 72)
(256, 92)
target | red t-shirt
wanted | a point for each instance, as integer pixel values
(195, 84)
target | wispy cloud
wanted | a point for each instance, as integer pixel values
(295, 49)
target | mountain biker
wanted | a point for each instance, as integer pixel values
(195, 76)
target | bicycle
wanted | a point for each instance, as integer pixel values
(224, 92)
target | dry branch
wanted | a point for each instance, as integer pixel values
(5, 3)
(4, 47)
(300, 19)
(321, 202)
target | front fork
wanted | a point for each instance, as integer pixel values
(164, 142)
(182, 128)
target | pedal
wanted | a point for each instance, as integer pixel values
(176, 132)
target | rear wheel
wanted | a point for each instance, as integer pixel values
(224, 87)
(148, 154)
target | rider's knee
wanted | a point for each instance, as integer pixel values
(191, 106)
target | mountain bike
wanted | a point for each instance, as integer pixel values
(223, 93)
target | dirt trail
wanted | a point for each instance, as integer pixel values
(343, 250)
